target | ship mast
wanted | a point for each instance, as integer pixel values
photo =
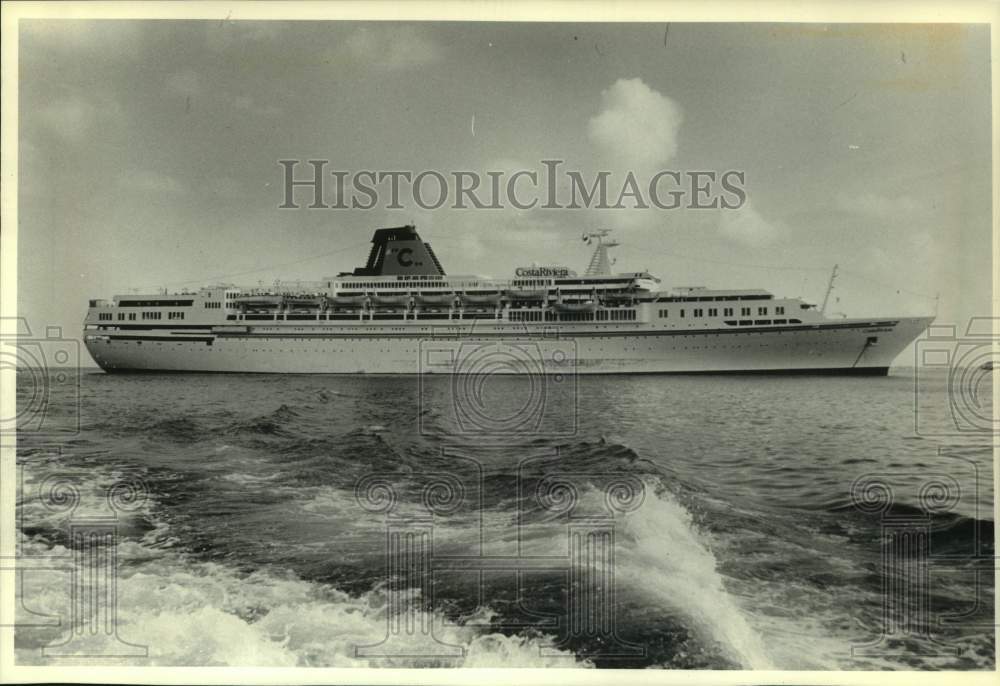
(599, 262)
(829, 289)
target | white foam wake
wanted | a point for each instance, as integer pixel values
(667, 561)
(205, 614)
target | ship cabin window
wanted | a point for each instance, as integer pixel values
(761, 310)
(152, 315)
(744, 312)
(713, 312)
(682, 314)
(762, 321)
(779, 310)
(746, 322)
(121, 316)
(131, 316)
(780, 321)
(664, 314)
(155, 303)
(175, 315)
(213, 305)
(728, 312)
(698, 312)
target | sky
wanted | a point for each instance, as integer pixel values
(148, 152)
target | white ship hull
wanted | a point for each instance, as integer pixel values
(860, 346)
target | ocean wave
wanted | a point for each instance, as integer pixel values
(276, 423)
(669, 562)
(206, 614)
(148, 423)
(950, 531)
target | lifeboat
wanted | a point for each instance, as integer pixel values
(309, 301)
(617, 297)
(401, 300)
(434, 298)
(518, 294)
(347, 300)
(259, 301)
(579, 306)
(484, 298)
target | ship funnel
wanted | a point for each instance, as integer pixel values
(400, 251)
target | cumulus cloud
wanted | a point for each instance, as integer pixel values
(881, 206)
(229, 35)
(392, 48)
(245, 103)
(185, 83)
(224, 187)
(747, 226)
(637, 127)
(71, 118)
(150, 181)
(111, 37)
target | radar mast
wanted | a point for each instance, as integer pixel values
(599, 262)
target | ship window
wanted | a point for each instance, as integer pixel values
(762, 321)
(712, 312)
(794, 321)
(745, 311)
(779, 310)
(682, 314)
(698, 312)
(761, 310)
(728, 312)
(746, 322)
(155, 303)
(780, 321)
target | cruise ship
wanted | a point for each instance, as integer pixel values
(402, 314)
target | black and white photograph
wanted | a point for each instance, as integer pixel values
(559, 341)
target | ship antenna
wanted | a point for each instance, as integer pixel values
(829, 289)
(599, 262)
